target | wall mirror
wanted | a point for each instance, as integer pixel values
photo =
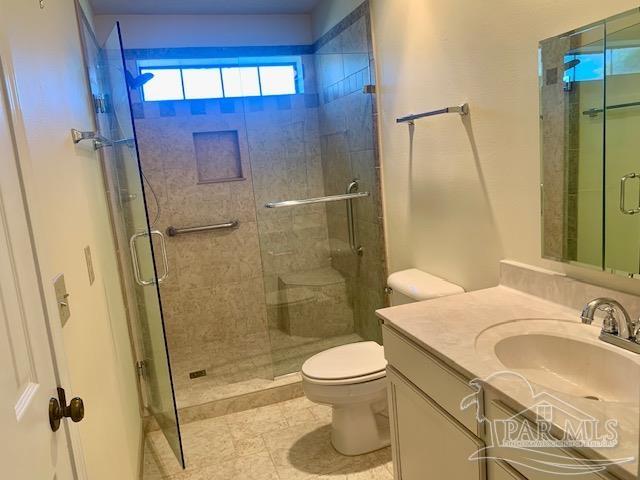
(590, 145)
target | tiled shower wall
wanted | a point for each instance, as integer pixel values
(224, 288)
(345, 66)
(214, 297)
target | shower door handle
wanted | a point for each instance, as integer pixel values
(134, 257)
(623, 184)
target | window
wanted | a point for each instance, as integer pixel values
(241, 82)
(166, 84)
(592, 66)
(277, 80)
(202, 83)
(197, 82)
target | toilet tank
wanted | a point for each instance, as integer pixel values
(413, 285)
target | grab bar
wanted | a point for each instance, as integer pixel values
(173, 231)
(134, 258)
(353, 234)
(309, 201)
(461, 109)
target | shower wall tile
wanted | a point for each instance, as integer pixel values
(347, 117)
(198, 107)
(137, 109)
(215, 312)
(167, 109)
(355, 39)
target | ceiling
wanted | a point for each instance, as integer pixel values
(195, 7)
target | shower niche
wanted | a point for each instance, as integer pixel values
(217, 156)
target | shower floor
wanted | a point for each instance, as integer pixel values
(288, 440)
(241, 378)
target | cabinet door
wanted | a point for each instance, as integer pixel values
(498, 470)
(427, 443)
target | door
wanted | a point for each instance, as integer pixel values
(30, 449)
(138, 244)
(622, 143)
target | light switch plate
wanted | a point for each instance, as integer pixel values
(90, 271)
(62, 298)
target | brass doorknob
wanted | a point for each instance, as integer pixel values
(58, 409)
(75, 410)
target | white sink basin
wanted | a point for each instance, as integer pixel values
(566, 357)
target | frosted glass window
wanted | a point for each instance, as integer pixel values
(202, 83)
(278, 80)
(624, 60)
(241, 82)
(166, 84)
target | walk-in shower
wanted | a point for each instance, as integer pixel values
(257, 188)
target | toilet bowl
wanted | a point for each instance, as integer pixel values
(352, 380)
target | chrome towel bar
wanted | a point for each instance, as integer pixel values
(173, 231)
(461, 109)
(593, 112)
(309, 201)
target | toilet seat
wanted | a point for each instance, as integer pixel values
(346, 365)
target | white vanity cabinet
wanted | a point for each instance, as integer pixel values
(428, 443)
(432, 438)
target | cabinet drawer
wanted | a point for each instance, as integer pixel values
(438, 381)
(518, 459)
(427, 442)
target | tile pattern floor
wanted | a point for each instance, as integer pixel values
(285, 441)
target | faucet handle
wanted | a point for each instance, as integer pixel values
(635, 329)
(609, 323)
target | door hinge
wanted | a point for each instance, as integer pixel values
(100, 103)
(141, 368)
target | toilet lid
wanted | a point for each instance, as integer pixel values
(346, 361)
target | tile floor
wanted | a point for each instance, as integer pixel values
(284, 441)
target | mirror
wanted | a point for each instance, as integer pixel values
(590, 145)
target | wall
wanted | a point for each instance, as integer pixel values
(328, 13)
(175, 31)
(68, 207)
(466, 194)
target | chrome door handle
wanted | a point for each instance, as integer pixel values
(623, 184)
(134, 258)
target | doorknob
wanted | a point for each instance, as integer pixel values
(58, 409)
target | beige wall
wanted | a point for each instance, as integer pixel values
(175, 31)
(468, 195)
(67, 203)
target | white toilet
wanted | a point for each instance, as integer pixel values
(352, 378)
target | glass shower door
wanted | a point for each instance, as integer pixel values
(622, 117)
(323, 258)
(137, 243)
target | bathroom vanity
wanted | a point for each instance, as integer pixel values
(446, 425)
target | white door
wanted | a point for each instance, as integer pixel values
(29, 449)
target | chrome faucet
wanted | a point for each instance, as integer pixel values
(611, 331)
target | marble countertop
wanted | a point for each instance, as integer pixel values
(461, 330)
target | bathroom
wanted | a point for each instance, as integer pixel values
(320, 238)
